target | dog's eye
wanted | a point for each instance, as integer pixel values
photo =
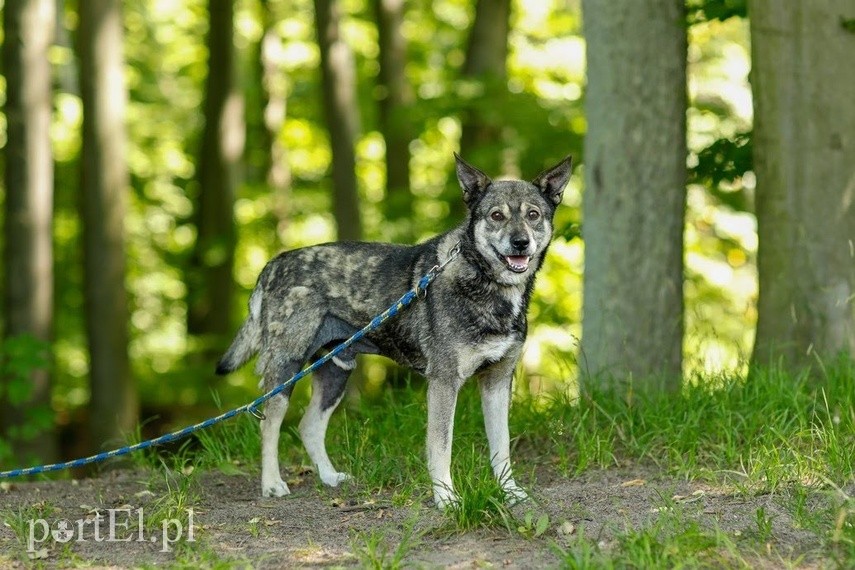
(533, 215)
(497, 216)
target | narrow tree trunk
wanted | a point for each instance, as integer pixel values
(28, 238)
(486, 63)
(210, 282)
(274, 103)
(634, 200)
(395, 101)
(803, 81)
(338, 79)
(104, 186)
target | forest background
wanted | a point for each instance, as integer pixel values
(159, 152)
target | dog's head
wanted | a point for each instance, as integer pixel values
(511, 220)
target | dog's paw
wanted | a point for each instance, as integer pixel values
(275, 489)
(335, 478)
(445, 498)
(514, 494)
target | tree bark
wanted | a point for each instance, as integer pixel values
(274, 101)
(113, 406)
(395, 101)
(804, 143)
(338, 81)
(28, 232)
(210, 282)
(486, 64)
(634, 200)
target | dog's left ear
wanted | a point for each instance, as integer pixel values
(472, 180)
(553, 180)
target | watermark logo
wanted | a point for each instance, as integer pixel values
(116, 525)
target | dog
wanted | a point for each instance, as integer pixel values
(472, 321)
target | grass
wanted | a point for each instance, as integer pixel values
(770, 429)
(375, 550)
(789, 438)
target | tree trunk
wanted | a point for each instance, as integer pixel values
(274, 103)
(104, 185)
(803, 80)
(338, 82)
(486, 64)
(28, 237)
(395, 101)
(634, 200)
(210, 282)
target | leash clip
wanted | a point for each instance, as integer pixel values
(421, 291)
(256, 414)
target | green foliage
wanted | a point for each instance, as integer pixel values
(707, 10)
(20, 356)
(721, 167)
(531, 527)
(540, 112)
(373, 548)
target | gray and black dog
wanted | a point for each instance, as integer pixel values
(472, 322)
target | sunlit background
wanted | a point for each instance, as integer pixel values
(165, 68)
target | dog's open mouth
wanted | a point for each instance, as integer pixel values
(517, 263)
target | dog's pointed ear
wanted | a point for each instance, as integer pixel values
(472, 180)
(553, 180)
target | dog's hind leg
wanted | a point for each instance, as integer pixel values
(272, 484)
(328, 385)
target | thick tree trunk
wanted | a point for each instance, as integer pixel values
(634, 200)
(28, 238)
(395, 101)
(338, 78)
(113, 405)
(210, 282)
(803, 80)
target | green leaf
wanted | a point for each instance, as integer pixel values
(542, 524)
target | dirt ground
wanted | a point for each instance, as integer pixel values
(314, 527)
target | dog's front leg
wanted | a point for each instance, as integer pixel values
(495, 385)
(441, 401)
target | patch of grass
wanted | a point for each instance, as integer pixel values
(381, 443)
(672, 540)
(176, 503)
(374, 549)
(231, 446)
(19, 521)
(771, 428)
(843, 534)
(481, 502)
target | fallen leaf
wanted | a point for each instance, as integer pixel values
(39, 554)
(634, 483)
(566, 529)
(695, 496)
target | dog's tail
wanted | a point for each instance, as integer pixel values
(247, 342)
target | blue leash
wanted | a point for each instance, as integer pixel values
(419, 290)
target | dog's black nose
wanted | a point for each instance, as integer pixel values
(520, 242)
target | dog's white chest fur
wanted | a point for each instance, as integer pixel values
(491, 349)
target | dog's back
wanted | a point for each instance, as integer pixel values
(309, 297)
